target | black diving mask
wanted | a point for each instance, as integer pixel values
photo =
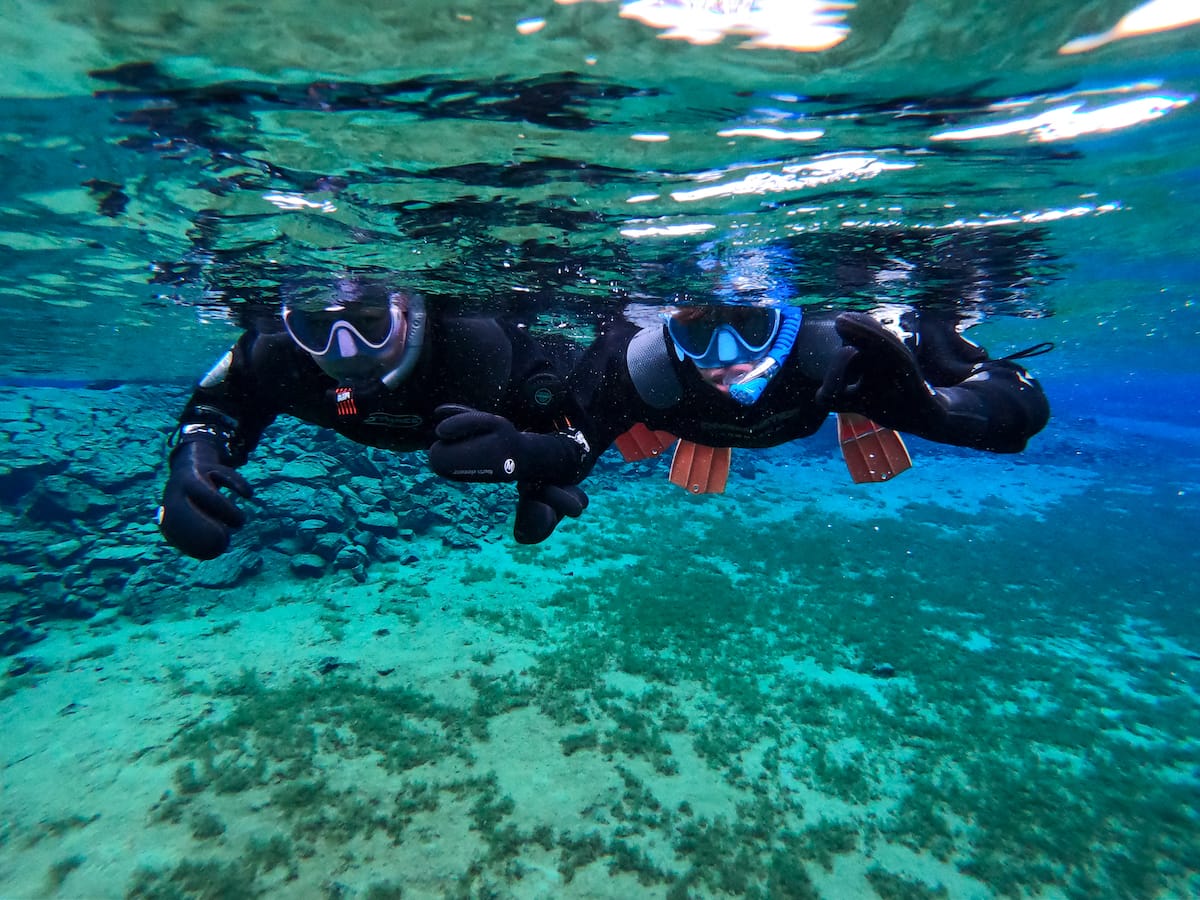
(355, 329)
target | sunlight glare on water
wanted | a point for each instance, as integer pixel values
(514, 168)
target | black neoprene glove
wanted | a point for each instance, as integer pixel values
(540, 507)
(195, 516)
(478, 446)
(876, 376)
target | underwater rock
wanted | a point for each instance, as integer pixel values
(23, 665)
(21, 539)
(328, 545)
(381, 521)
(354, 560)
(77, 539)
(308, 468)
(25, 454)
(98, 593)
(391, 551)
(151, 575)
(64, 498)
(289, 544)
(60, 552)
(228, 570)
(368, 488)
(330, 664)
(349, 557)
(16, 638)
(117, 554)
(16, 413)
(457, 539)
(312, 526)
(68, 607)
(286, 495)
(424, 519)
(105, 619)
(422, 483)
(19, 476)
(17, 577)
(308, 565)
(352, 502)
(107, 477)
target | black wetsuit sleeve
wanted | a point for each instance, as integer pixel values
(537, 398)
(541, 401)
(602, 389)
(228, 407)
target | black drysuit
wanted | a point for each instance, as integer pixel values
(479, 363)
(931, 383)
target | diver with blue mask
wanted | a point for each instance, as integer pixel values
(761, 374)
(728, 377)
(749, 368)
(374, 364)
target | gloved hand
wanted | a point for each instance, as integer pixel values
(195, 516)
(478, 446)
(876, 376)
(540, 507)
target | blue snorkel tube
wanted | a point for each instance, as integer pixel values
(753, 383)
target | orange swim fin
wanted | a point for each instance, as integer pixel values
(639, 442)
(872, 452)
(699, 469)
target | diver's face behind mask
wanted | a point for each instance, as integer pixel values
(718, 336)
(354, 339)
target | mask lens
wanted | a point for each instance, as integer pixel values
(313, 329)
(754, 325)
(692, 336)
(697, 332)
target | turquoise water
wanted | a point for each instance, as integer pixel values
(981, 679)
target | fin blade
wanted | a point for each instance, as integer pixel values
(640, 442)
(872, 453)
(699, 469)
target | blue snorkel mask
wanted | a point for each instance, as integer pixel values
(717, 336)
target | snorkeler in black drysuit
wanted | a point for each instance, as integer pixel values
(733, 375)
(373, 364)
(700, 376)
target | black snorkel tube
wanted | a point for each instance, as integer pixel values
(414, 340)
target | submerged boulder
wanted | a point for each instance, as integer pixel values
(308, 565)
(16, 638)
(64, 498)
(228, 570)
(62, 551)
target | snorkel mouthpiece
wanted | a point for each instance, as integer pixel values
(749, 389)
